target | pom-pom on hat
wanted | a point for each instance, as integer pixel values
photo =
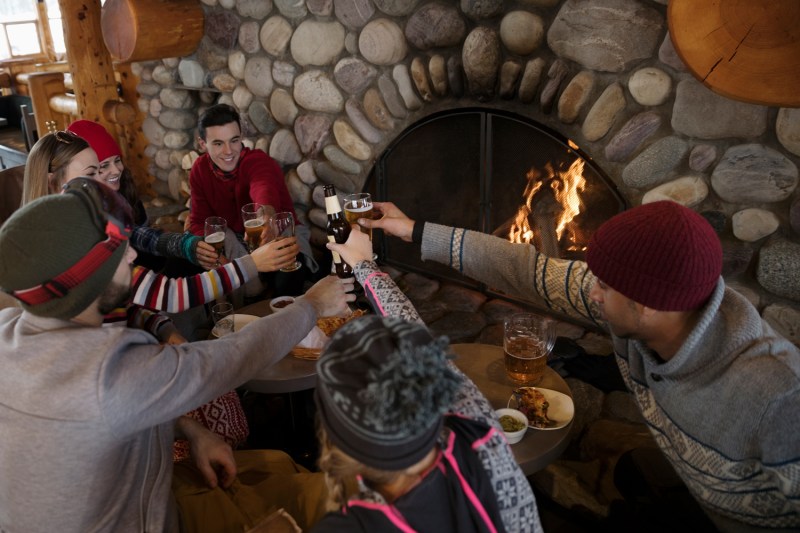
(383, 386)
(44, 239)
(661, 255)
(98, 138)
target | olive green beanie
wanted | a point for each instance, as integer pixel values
(44, 239)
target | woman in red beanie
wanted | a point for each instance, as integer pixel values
(110, 171)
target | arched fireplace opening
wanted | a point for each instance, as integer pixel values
(496, 172)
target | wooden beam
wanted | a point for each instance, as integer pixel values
(93, 76)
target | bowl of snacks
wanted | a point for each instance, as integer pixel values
(514, 424)
(276, 304)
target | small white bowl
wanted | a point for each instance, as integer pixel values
(276, 304)
(514, 437)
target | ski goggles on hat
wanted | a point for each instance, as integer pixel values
(112, 215)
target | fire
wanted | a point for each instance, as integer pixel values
(566, 188)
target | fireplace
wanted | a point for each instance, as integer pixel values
(495, 172)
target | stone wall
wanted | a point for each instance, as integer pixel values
(325, 85)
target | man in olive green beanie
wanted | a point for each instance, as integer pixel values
(89, 412)
(45, 239)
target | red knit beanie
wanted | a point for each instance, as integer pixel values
(661, 255)
(98, 138)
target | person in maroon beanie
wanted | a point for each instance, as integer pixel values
(718, 387)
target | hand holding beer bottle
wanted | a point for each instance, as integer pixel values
(215, 229)
(338, 229)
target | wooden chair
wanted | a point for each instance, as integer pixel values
(10, 190)
(28, 125)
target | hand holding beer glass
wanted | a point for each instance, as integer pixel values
(528, 340)
(215, 229)
(254, 218)
(283, 224)
(359, 205)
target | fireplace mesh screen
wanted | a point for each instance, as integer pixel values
(471, 167)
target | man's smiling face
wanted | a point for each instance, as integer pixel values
(224, 145)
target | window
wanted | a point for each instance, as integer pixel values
(28, 29)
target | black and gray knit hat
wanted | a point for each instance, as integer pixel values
(383, 386)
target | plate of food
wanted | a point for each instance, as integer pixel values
(311, 347)
(545, 408)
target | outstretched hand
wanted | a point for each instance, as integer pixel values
(276, 254)
(393, 222)
(330, 296)
(357, 248)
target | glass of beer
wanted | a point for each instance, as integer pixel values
(359, 205)
(528, 340)
(283, 224)
(222, 315)
(215, 229)
(254, 220)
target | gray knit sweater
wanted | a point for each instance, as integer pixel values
(87, 415)
(725, 409)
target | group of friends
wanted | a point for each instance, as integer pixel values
(89, 412)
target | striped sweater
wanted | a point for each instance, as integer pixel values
(151, 291)
(725, 409)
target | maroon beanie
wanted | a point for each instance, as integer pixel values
(661, 255)
(98, 138)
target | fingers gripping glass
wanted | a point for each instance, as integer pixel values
(112, 216)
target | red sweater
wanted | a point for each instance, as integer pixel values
(258, 179)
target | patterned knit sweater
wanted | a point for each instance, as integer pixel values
(513, 492)
(725, 409)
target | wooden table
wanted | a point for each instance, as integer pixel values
(290, 374)
(483, 364)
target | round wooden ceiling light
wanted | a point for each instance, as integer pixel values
(747, 50)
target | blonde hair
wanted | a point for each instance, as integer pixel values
(47, 162)
(341, 472)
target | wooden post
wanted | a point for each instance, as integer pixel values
(89, 61)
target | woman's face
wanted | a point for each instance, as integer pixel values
(110, 171)
(83, 164)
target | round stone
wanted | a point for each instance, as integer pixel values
(750, 225)
(650, 86)
(382, 42)
(522, 32)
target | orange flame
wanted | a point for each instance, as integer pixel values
(566, 187)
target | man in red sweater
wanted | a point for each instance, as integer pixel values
(228, 176)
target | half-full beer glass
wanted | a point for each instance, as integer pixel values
(528, 340)
(359, 205)
(254, 219)
(215, 229)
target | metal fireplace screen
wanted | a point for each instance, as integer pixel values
(493, 172)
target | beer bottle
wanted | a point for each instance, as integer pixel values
(338, 229)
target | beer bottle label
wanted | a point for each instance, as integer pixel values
(332, 205)
(336, 257)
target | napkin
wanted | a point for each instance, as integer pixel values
(315, 339)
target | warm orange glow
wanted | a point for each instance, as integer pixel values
(567, 191)
(566, 187)
(520, 229)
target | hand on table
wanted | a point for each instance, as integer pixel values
(206, 255)
(276, 254)
(212, 455)
(330, 296)
(357, 248)
(393, 222)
